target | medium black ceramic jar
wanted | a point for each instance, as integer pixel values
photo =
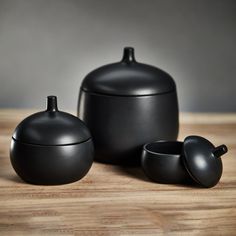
(51, 147)
(126, 105)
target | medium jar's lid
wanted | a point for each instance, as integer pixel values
(128, 78)
(51, 127)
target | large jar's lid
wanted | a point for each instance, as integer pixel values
(51, 127)
(128, 78)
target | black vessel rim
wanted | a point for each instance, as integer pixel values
(119, 95)
(161, 154)
(55, 145)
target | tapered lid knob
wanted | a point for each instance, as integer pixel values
(52, 103)
(220, 150)
(128, 55)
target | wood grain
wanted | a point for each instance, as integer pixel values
(112, 200)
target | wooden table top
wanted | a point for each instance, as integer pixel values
(112, 200)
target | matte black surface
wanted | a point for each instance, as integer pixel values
(120, 126)
(202, 160)
(51, 127)
(126, 105)
(128, 78)
(178, 162)
(37, 153)
(162, 162)
(50, 165)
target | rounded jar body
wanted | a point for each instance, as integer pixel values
(125, 105)
(121, 125)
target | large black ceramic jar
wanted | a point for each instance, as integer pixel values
(126, 105)
(51, 147)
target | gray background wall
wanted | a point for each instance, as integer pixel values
(48, 46)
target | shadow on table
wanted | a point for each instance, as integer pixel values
(132, 172)
(13, 178)
(6, 170)
(137, 173)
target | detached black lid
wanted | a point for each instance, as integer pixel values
(128, 78)
(51, 127)
(202, 160)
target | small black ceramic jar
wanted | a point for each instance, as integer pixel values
(196, 160)
(162, 162)
(125, 105)
(51, 147)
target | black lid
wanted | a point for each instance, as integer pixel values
(202, 160)
(51, 127)
(128, 78)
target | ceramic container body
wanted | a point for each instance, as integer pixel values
(194, 161)
(125, 105)
(49, 165)
(51, 147)
(162, 162)
(121, 125)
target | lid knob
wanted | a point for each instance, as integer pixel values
(220, 150)
(52, 103)
(128, 55)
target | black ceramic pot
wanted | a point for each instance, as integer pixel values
(126, 105)
(162, 162)
(196, 160)
(51, 147)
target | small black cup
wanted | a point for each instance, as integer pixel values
(162, 162)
